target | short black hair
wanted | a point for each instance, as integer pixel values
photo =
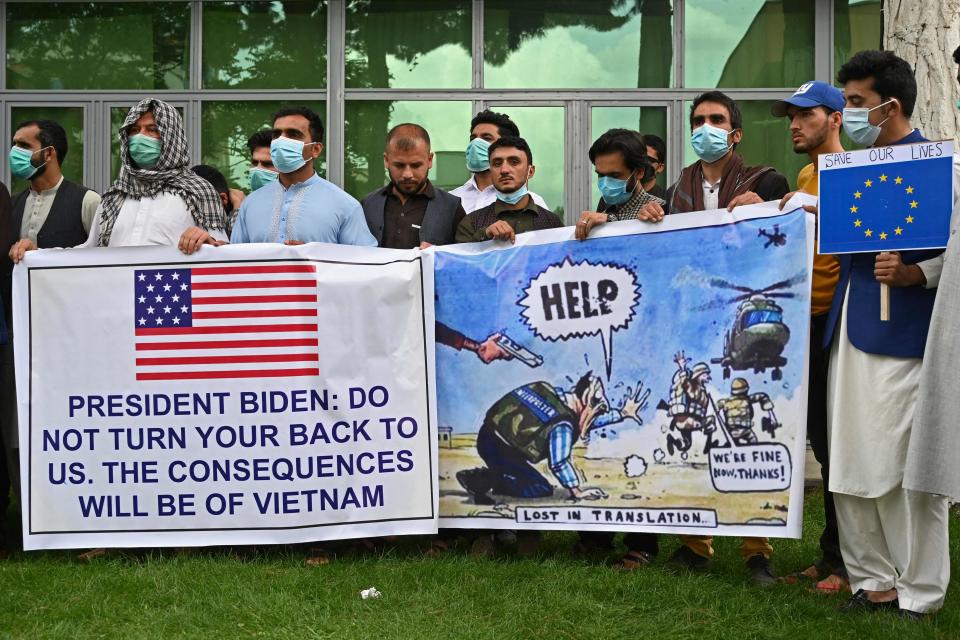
(213, 176)
(406, 136)
(316, 123)
(956, 55)
(51, 134)
(629, 143)
(505, 126)
(513, 142)
(583, 384)
(736, 119)
(892, 76)
(658, 145)
(260, 139)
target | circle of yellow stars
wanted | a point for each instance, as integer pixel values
(883, 235)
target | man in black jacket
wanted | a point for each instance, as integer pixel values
(410, 212)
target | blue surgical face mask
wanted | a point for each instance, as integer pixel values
(513, 197)
(261, 177)
(478, 156)
(856, 122)
(287, 154)
(614, 190)
(144, 150)
(710, 142)
(21, 162)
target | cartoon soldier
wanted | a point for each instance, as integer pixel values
(737, 412)
(539, 422)
(689, 403)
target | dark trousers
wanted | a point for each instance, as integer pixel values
(635, 541)
(817, 433)
(511, 473)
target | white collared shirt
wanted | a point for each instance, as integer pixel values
(37, 208)
(711, 195)
(472, 198)
(156, 220)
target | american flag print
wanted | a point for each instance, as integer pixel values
(219, 322)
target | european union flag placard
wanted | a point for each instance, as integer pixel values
(886, 198)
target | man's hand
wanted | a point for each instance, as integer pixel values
(588, 220)
(236, 198)
(890, 270)
(489, 350)
(592, 493)
(425, 245)
(292, 243)
(650, 212)
(809, 208)
(20, 247)
(680, 359)
(500, 230)
(193, 238)
(635, 403)
(744, 198)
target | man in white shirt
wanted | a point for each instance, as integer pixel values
(486, 128)
(157, 199)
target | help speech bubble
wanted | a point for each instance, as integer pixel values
(579, 299)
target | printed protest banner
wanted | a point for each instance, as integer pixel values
(651, 378)
(886, 198)
(248, 394)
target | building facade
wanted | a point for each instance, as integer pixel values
(565, 70)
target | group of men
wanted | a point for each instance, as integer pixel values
(879, 413)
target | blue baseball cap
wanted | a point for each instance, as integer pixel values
(811, 94)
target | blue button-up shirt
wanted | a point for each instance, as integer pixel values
(314, 210)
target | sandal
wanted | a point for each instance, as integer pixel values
(811, 574)
(438, 547)
(633, 560)
(92, 554)
(833, 584)
(317, 556)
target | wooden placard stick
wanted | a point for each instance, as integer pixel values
(884, 299)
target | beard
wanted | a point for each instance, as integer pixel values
(811, 142)
(408, 189)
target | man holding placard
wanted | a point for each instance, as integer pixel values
(894, 541)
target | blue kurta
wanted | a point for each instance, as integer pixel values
(311, 211)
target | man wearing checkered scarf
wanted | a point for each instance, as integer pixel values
(157, 199)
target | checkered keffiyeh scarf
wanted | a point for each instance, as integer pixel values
(628, 210)
(171, 175)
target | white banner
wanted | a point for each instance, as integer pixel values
(244, 395)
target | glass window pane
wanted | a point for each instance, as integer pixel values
(71, 119)
(117, 116)
(98, 45)
(766, 140)
(543, 129)
(748, 43)
(577, 44)
(404, 44)
(646, 120)
(368, 121)
(265, 45)
(856, 26)
(228, 125)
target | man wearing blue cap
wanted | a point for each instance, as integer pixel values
(815, 115)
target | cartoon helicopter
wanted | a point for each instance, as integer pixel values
(758, 335)
(776, 238)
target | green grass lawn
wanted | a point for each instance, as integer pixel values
(210, 594)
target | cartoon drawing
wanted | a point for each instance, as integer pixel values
(776, 238)
(538, 422)
(758, 335)
(689, 404)
(737, 413)
(498, 346)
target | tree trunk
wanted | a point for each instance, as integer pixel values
(925, 34)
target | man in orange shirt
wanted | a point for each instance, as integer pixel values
(815, 114)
